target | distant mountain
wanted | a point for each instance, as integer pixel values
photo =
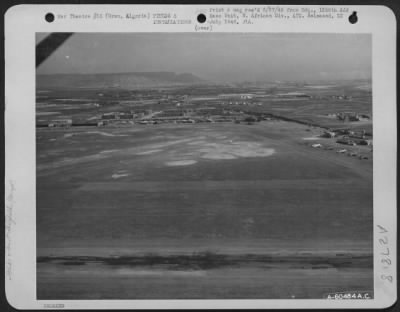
(118, 80)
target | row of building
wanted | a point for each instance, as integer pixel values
(126, 115)
(352, 116)
(349, 137)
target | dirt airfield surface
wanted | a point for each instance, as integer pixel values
(216, 210)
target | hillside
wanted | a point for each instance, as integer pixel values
(117, 80)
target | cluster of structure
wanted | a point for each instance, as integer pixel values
(340, 151)
(188, 115)
(349, 137)
(172, 115)
(350, 116)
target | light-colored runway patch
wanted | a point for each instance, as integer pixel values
(261, 152)
(311, 138)
(149, 152)
(105, 133)
(220, 149)
(216, 155)
(67, 135)
(119, 175)
(108, 151)
(46, 113)
(235, 150)
(181, 162)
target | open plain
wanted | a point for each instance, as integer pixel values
(216, 210)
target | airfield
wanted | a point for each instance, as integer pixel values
(207, 210)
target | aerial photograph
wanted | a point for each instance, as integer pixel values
(204, 166)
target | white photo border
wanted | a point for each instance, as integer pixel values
(22, 22)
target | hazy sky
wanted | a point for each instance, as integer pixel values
(217, 56)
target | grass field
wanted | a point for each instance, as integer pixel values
(234, 192)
